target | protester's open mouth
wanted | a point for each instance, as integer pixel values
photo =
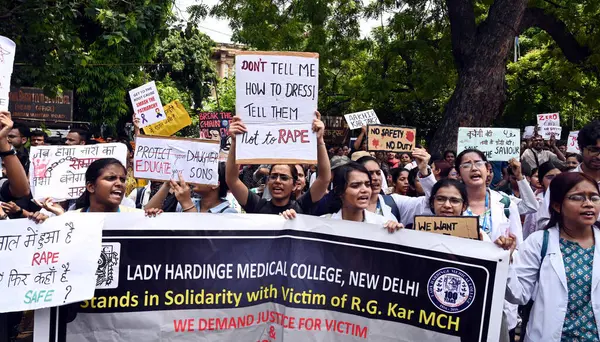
(588, 215)
(476, 177)
(117, 193)
(363, 198)
(277, 190)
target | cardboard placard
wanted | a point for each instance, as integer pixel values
(177, 118)
(147, 105)
(390, 138)
(498, 144)
(163, 158)
(276, 97)
(7, 59)
(572, 145)
(359, 119)
(461, 226)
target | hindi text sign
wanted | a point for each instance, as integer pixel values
(147, 105)
(360, 119)
(162, 159)
(59, 171)
(177, 118)
(31, 103)
(47, 265)
(336, 130)
(390, 138)
(498, 144)
(547, 132)
(572, 144)
(461, 226)
(276, 97)
(549, 125)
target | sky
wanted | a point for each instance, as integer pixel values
(219, 30)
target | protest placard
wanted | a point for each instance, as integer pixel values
(177, 118)
(461, 226)
(333, 281)
(336, 130)
(215, 126)
(529, 132)
(59, 171)
(548, 131)
(50, 264)
(147, 105)
(31, 103)
(163, 158)
(276, 97)
(549, 124)
(7, 59)
(572, 145)
(390, 138)
(359, 119)
(501, 144)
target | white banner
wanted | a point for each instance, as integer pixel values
(163, 158)
(51, 264)
(276, 93)
(572, 145)
(498, 144)
(59, 171)
(147, 105)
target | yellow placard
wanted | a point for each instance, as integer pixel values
(461, 226)
(388, 138)
(177, 118)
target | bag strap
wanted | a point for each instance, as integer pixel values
(506, 201)
(139, 197)
(545, 244)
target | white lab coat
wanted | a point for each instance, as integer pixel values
(526, 275)
(528, 203)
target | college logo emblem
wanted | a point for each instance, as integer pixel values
(451, 290)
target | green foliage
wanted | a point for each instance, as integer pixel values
(225, 94)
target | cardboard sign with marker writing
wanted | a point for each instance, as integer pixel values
(461, 226)
(390, 138)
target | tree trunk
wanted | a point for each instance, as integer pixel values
(480, 56)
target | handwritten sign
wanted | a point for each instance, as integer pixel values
(529, 132)
(548, 131)
(500, 144)
(7, 59)
(164, 158)
(359, 119)
(147, 105)
(276, 97)
(461, 226)
(177, 118)
(549, 124)
(50, 264)
(572, 145)
(336, 130)
(390, 138)
(59, 171)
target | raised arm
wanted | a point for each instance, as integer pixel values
(159, 197)
(136, 126)
(237, 187)
(359, 139)
(319, 187)
(555, 149)
(18, 183)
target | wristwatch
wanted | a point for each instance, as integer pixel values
(10, 152)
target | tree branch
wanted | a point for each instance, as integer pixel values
(573, 51)
(463, 29)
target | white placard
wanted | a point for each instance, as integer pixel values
(359, 119)
(48, 265)
(498, 144)
(275, 90)
(548, 131)
(7, 59)
(529, 132)
(59, 171)
(160, 158)
(286, 145)
(572, 145)
(549, 119)
(147, 105)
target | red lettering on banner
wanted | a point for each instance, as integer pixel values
(286, 135)
(160, 167)
(44, 258)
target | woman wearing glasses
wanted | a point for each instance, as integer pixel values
(559, 267)
(281, 180)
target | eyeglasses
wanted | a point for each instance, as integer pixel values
(592, 150)
(595, 199)
(469, 166)
(453, 200)
(284, 178)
